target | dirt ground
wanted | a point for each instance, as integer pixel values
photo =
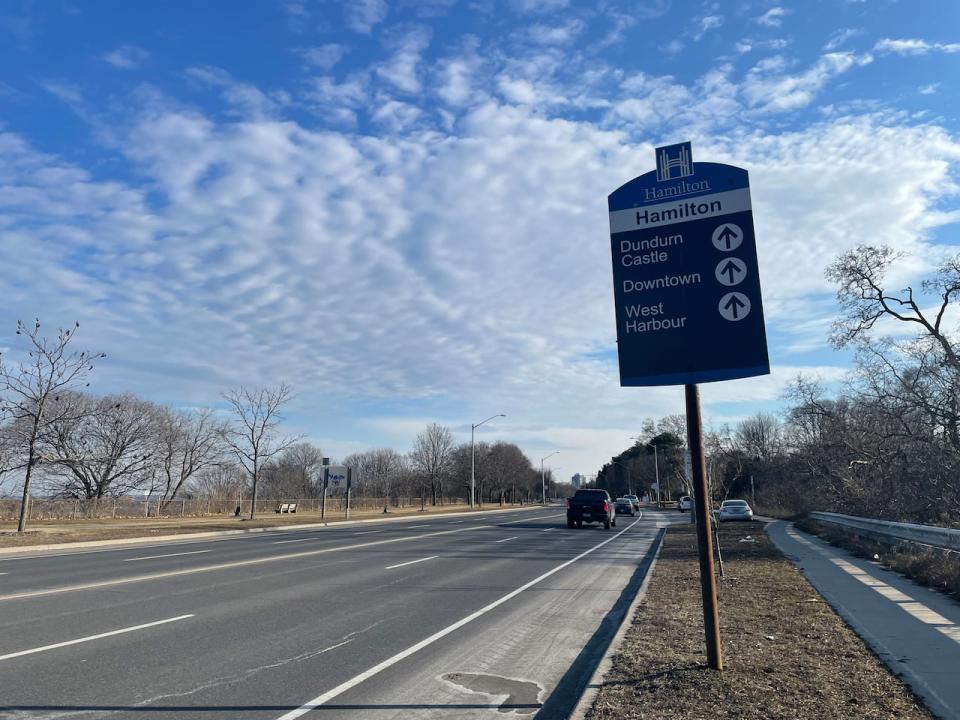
(787, 654)
(61, 531)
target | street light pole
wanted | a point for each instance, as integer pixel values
(473, 459)
(543, 477)
(656, 474)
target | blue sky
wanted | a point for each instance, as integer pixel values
(400, 208)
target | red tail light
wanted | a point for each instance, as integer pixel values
(606, 506)
(568, 503)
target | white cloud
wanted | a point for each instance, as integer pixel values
(773, 17)
(707, 23)
(768, 88)
(561, 34)
(673, 47)
(363, 15)
(323, 56)
(402, 70)
(126, 57)
(930, 89)
(246, 99)
(840, 37)
(538, 7)
(914, 47)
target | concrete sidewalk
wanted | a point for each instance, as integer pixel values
(914, 630)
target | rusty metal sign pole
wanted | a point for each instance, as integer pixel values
(701, 498)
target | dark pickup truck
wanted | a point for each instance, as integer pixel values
(591, 506)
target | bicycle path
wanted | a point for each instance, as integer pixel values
(915, 631)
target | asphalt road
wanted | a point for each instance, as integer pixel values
(445, 617)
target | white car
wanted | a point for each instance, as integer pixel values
(685, 504)
(735, 510)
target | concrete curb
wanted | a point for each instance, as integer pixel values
(606, 662)
(30, 549)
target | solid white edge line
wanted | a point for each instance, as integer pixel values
(509, 538)
(157, 557)
(391, 567)
(21, 653)
(404, 654)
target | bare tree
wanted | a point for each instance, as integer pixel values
(253, 437)
(294, 473)
(187, 442)
(432, 456)
(104, 446)
(220, 480)
(379, 472)
(29, 390)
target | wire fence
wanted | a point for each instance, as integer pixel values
(132, 507)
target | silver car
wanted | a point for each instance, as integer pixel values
(735, 510)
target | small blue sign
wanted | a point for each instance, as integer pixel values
(685, 275)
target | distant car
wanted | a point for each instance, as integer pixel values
(591, 506)
(735, 510)
(685, 504)
(624, 506)
(635, 500)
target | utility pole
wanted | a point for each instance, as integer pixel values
(543, 477)
(656, 475)
(473, 459)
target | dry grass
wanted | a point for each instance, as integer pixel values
(787, 654)
(50, 532)
(937, 569)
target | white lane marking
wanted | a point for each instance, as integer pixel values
(21, 653)
(404, 654)
(156, 557)
(539, 517)
(367, 532)
(234, 564)
(456, 522)
(284, 542)
(412, 562)
(414, 527)
(238, 535)
(548, 530)
(509, 538)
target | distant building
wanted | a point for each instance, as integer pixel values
(578, 481)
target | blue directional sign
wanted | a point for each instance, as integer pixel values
(685, 277)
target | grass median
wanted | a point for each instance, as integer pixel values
(46, 532)
(787, 654)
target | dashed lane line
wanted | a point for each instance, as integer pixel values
(411, 562)
(157, 557)
(121, 631)
(228, 565)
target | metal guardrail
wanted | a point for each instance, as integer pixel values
(938, 537)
